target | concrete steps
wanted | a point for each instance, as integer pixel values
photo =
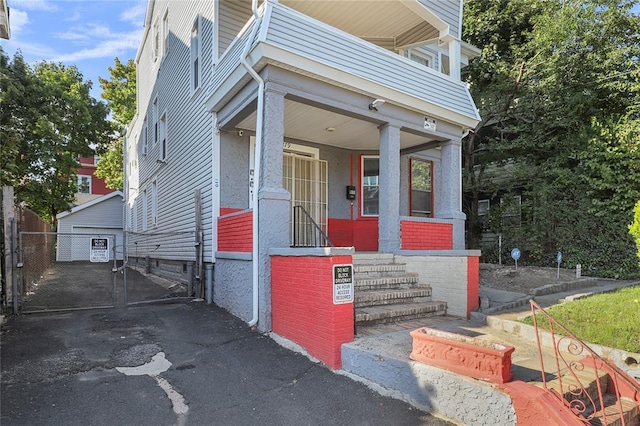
(385, 293)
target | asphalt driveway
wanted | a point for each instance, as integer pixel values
(196, 365)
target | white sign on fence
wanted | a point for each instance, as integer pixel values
(99, 250)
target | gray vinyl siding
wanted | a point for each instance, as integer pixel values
(367, 61)
(233, 15)
(189, 132)
(106, 214)
(448, 11)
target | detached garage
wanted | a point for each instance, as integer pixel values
(99, 218)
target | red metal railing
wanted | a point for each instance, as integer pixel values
(574, 362)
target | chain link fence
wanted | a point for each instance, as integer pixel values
(157, 269)
(66, 271)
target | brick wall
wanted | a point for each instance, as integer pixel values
(365, 234)
(302, 305)
(340, 232)
(473, 284)
(426, 235)
(235, 232)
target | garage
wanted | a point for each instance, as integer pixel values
(99, 218)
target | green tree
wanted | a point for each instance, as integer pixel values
(565, 137)
(48, 120)
(120, 94)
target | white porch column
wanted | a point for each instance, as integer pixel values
(454, 59)
(273, 200)
(449, 205)
(389, 201)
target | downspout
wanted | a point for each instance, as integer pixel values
(257, 159)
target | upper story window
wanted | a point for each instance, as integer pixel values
(421, 198)
(370, 178)
(419, 57)
(165, 32)
(195, 54)
(155, 120)
(144, 137)
(155, 48)
(154, 203)
(163, 137)
(145, 210)
(84, 184)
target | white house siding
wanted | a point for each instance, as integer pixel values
(233, 15)
(448, 11)
(364, 60)
(188, 162)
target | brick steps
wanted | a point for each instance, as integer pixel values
(385, 293)
(384, 314)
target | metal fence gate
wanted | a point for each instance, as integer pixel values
(59, 272)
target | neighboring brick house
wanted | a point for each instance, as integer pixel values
(253, 117)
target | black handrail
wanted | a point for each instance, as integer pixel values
(303, 220)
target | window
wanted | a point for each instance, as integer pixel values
(483, 212)
(370, 185)
(145, 141)
(154, 203)
(511, 211)
(195, 55)
(155, 120)
(421, 188)
(163, 137)
(165, 33)
(96, 158)
(155, 48)
(444, 64)
(84, 184)
(145, 210)
(421, 58)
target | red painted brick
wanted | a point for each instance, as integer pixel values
(235, 233)
(473, 284)
(426, 236)
(302, 306)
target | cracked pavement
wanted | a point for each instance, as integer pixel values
(60, 369)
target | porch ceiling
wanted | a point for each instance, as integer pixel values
(398, 20)
(309, 123)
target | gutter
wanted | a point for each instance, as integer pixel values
(257, 160)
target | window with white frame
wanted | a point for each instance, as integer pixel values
(155, 48)
(145, 210)
(195, 55)
(421, 197)
(154, 203)
(484, 206)
(163, 137)
(144, 137)
(419, 57)
(84, 184)
(155, 121)
(165, 32)
(370, 178)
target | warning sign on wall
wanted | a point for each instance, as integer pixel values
(342, 284)
(99, 250)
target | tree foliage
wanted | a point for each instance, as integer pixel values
(49, 120)
(120, 94)
(557, 87)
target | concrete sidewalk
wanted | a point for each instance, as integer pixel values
(203, 367)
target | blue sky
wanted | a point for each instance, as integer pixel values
(88, 34)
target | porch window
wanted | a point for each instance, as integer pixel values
(420, 58)
(370, 185)
(421, 198)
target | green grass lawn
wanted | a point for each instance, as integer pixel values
(609, 319)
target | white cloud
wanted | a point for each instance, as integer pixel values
(114, 46)
(18, 19)
(134, 15)
(74, 17)
(44, 5)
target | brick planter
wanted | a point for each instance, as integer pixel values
(462, 354)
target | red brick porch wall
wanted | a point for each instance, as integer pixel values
(235, 232)
(425, 235)
(302, 305)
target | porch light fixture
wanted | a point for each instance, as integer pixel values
(373, 106)
(330, 129)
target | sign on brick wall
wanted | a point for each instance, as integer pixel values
(342, 284)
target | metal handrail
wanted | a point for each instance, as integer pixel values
(318, 237)
(578, 396)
